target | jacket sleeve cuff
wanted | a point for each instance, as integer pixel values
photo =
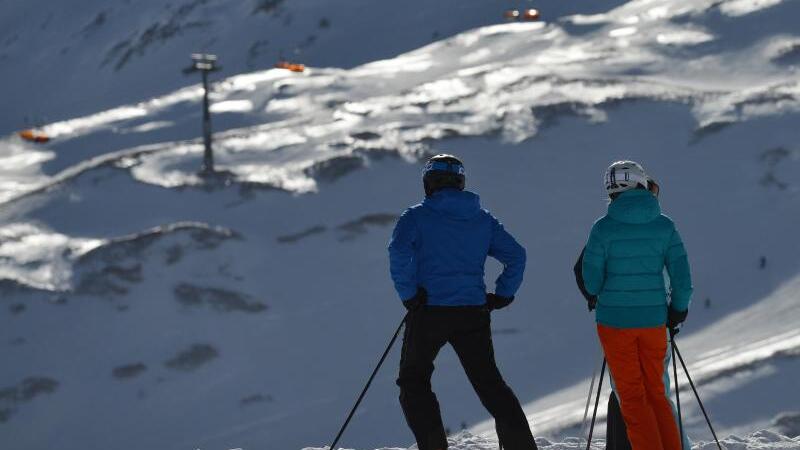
(679, 303)
(503, 292)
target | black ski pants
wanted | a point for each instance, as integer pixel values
(616, 431)
(468, 330)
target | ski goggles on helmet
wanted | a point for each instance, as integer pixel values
(444, 166)
(624, 178)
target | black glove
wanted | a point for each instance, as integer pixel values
(494, 301)
(591, 302)
(417, 301)
(675, 318)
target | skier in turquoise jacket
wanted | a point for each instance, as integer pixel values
(623, 267)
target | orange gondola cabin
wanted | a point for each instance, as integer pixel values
(294, 67)
(34, 136)
(530, 14)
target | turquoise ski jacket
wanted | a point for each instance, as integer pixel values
(624, 261)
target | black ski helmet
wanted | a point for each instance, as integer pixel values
(443, 171)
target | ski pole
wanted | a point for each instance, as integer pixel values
(371, 377)
(596, 403)
(700, 402)
(588, 402)
(677, 390)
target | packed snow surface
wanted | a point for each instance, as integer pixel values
(760, 440)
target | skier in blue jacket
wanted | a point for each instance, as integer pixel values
(437, 256)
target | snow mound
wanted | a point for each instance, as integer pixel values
(40, 258)
(761, 440)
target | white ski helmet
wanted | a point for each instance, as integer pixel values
(622, 176)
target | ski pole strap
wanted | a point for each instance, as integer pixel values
(694, 389)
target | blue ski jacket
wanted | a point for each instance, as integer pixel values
(441, 245)
(624, 260)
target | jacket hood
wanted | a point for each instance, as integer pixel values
(461, 205)
(636, 206)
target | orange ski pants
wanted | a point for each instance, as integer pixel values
(635, 357)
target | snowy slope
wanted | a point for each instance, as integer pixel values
(505, 79)
(728, 359)
(148, 308)
(62, 59)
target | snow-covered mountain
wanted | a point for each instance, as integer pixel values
(64, 59)
(148, 307)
